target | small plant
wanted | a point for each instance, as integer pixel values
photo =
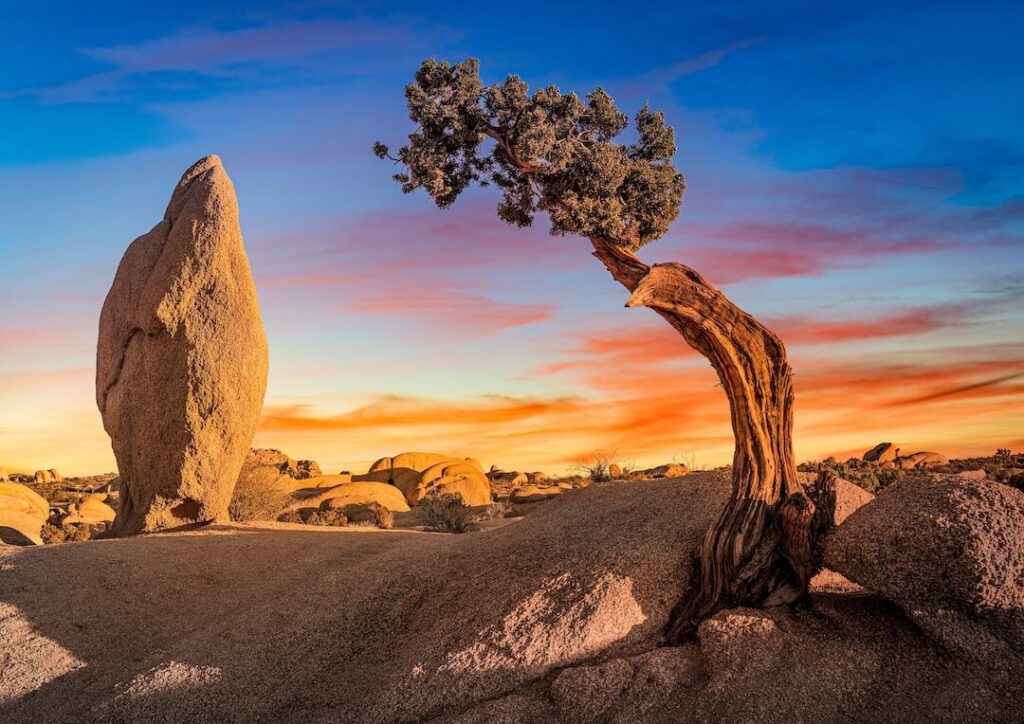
(447, 514)
(313, 516)
(688, 458)
(327, 517)
(257, 496)
(599, 466)
(500, 509)
(73, 533)
(383, 518)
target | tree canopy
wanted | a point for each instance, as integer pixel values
(552, 152)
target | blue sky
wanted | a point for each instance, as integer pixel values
(856, 178)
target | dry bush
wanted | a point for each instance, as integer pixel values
(257, 495)
(314, 516)
(291, 516)
(327, 517)
(383, 518)
(500, 509)
(73, 533)
(597, 466)
(688, 458)
(447, 514)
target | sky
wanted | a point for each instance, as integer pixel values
(855, 180)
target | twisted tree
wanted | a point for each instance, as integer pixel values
(554, 152)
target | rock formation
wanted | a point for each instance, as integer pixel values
(181, 363)
(418, 474)
(91, 510)
(883, 452)
(348, 494)
(22, 514)
(921, 460)
(670, 470)
(949, 552)
(534, 493)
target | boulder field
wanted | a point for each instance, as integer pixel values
(181, 361)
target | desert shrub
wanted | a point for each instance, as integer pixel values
(598, 466)
(383, 518)
(327, 517)
(257, 495)
(291, 516)
(688, 458)
(73, 533)
(1016, 481)
(500, 509)
(447, 514)
(314, 516)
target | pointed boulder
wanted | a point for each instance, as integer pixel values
(181, 363)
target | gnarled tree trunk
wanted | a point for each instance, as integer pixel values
(757, 552)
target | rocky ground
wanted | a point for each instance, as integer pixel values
(555, 616)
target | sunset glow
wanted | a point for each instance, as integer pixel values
(871, 216)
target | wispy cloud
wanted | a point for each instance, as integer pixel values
(666, 74)
(286, 50)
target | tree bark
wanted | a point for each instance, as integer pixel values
(757, 552)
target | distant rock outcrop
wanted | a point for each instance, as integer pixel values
(350, 494)
(91, 510)
(418, 474)
(22, 514)
(534, 493)
(181, 362)
(921, 460)
(883, 452)
(269, 465)
(670, 470)
(949, 552)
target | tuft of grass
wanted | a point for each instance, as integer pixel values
(447, 514)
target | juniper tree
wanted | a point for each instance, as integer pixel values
(556, 153)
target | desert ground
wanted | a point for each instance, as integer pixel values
(554, 613)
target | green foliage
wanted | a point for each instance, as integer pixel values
(551, 152)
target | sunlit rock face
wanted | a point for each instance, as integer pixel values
(181, 363)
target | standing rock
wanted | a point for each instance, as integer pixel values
(181, 363)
